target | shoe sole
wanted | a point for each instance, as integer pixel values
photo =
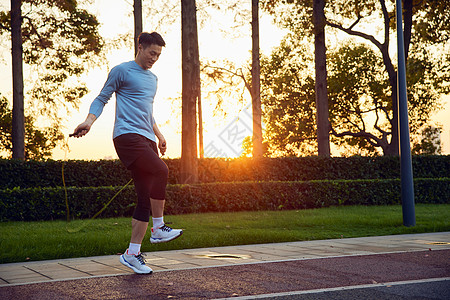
(157, 241)
(125, 263)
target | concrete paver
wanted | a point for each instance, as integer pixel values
(91, 267)
(44, 271)
(57, 270)
(181, 266)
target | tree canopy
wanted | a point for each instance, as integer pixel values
(362, 56)
(288, 99)
(60, 42)
(38, 142)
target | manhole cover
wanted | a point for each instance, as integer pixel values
(224, 256)
(438, 243)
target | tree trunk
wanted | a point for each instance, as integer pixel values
(323, 123)
(393, 147)
(200, 126)
(18, 118)
(137, 11)
(256, 94)
(190, 91)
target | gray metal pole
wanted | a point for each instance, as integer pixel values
(407, 184)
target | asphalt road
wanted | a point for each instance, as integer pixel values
(436, 289)
(409, 275)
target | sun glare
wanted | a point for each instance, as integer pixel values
(116, 19)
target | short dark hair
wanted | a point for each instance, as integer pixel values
(146, 39)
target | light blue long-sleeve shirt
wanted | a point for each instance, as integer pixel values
(135, 90)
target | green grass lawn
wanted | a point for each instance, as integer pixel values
(23, 241)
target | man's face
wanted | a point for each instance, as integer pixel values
(149, 55)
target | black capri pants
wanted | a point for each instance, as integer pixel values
(140, 155)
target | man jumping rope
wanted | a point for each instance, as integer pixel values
(134, 137)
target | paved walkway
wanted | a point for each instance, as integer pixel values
(103, 266)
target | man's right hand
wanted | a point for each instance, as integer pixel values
(81, 130)
(84, 127)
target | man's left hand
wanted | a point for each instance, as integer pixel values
(162, 146)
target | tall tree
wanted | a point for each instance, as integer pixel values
(190, 91)
(18, 117)
(357, 82)
(60, 41)
(323, 124)
(357, 85)
(358, 11)
(426, 73)
(137, 12)
(256, 95)
(288, 95)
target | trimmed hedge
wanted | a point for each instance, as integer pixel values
(33, 204)
(79, 173)
(28, 174)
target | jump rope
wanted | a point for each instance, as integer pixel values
(66, 198)
(66, 150)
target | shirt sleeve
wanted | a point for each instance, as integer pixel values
(112, 84)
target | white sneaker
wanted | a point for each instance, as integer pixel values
(135, 262)
(164, 234)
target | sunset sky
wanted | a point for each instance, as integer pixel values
(116, 17)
